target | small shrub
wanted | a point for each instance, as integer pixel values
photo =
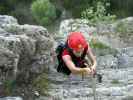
(41, 84)
(43, 11)
(102, 49)
(97, 44)
(97, 14)
(8, 86)
(115, 81)
(122, 27)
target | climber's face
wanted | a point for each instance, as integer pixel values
(78, 53)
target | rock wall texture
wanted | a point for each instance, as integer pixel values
(24, 49)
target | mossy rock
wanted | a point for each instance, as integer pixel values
(102, 49)
(41, 84)
(115, 81)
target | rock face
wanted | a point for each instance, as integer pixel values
(4, 19)
(117, 34)
(12, 98)
(25, 53)
(114, 57)
(24, 49)
(67, 26)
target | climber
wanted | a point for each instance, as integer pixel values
(72, 59)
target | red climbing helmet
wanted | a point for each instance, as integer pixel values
(76, 41)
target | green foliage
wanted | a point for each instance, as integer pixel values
(76, 6)
(115, 81)
(97, 13)
(122, 8)
(122, 27)
(5, 7)
(96, 44)
(41, 83)
(101, 49)
(8, 86)
(43, 11)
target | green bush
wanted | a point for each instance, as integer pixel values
(9, 85)
(43, 11)
(97, 13)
